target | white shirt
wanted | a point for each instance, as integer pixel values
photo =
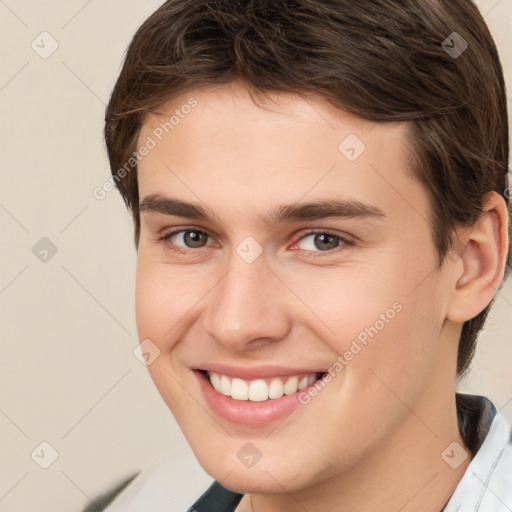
(487, 483)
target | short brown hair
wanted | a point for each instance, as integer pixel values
(381, 60)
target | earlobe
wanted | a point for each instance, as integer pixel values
(483, 258)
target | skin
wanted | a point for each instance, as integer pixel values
(372, 438)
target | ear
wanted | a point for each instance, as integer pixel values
(483, 254)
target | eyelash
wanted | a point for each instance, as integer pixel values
(308, 254)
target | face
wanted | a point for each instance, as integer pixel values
(246, 288)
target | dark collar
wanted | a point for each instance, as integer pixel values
(475, 414)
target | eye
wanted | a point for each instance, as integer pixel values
(184, 241)
(190, 239)
(322, 241)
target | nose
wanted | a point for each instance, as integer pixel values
(247, 307)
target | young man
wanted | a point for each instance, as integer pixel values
(319, 197)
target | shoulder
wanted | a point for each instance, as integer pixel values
(100, 502)
(170, 482)
(486, 485)
(494, 473)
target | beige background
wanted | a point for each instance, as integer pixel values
(68, 375)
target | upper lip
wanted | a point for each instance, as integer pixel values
(256, 372)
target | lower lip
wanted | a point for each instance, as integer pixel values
(246, 412)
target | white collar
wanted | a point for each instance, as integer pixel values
(486, 486)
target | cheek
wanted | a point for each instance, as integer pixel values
(387, 317)
(342, 304)
(163, 297)
(401, 346)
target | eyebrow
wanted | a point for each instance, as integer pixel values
(293, 212)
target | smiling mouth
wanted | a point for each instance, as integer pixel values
(260, 390)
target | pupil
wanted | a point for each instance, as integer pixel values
(323, 239)
(194, 238)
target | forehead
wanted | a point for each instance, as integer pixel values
(219, 145)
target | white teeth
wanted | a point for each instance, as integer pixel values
(303, 383)
(275, 390)
(225, 385)
(260, 390)
(291, 385)
(239, 389)
(215, 380)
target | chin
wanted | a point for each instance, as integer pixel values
(258, 481)
(266, 476)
